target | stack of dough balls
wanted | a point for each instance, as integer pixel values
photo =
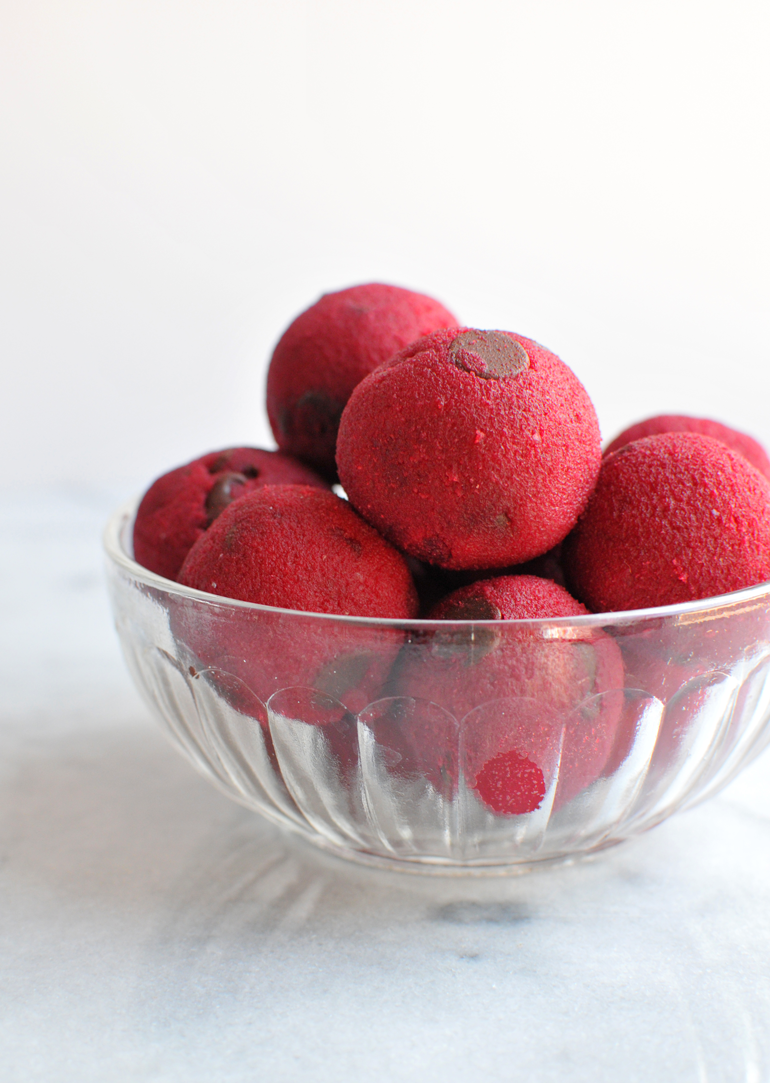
(475, 481)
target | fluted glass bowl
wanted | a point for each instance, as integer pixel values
(456, 746)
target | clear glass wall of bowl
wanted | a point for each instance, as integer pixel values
(494, 744)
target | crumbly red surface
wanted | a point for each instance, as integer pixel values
(329, 349)
(177, 508)
(516, 596)
(434, 583)
(296, 547)
(470, 449)
(514, 694)
(299, 547)
(673, 518)
(510, 784)
(654, 426)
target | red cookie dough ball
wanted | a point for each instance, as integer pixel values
(745, 445)
(470, 449)
(178, 508)
(298, 548)
(514, 693)
(673, 518)
(328, 350)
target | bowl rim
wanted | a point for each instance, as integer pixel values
(116, 529)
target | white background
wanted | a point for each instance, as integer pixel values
(179, 179)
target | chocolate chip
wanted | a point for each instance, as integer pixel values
(226, 488)
(475, 608)
(492, 355)
(222, 461)
(315, 412)
(229, 462)
(473, 643)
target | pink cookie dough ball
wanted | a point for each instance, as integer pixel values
(328, 350)
(513, 693)
(673, 518)
(654, 426)
(470, 449)
(180, 506)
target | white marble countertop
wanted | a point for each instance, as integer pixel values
(152, 930)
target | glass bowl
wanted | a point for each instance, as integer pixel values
(456, 746)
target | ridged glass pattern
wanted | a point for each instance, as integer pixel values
(463, 746)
